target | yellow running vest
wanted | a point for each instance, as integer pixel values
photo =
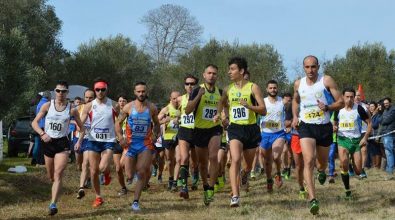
(239, 114)
(187, 121)
(207, 109)
(171, 128)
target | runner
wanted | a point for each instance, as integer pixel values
(185, 138)
(54, 140)
(101, 137)
(142, 129)
(122, 100)
(364, 151)
(311, 106)
(245, 101)
(349, 123)
(207, 134)
(273, 134)
(170, 116)
(82, 152)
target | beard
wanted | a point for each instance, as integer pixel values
(141, 98)
(273, 94)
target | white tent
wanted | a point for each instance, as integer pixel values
(74, 90)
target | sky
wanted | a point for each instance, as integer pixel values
(295, 28)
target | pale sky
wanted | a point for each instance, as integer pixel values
(294, 28)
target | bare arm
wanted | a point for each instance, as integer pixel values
(162, 116)
(331, 85)
(41, 114)
(295, 105)
(223, 106)
(155, 120)
(85, 112)
(191, 106)
(260, 108)
(123, 114)
(74, 112)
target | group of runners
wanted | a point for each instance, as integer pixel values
(202, 130)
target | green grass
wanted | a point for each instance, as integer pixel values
(26, 196)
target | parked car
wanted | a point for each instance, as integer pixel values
(19, 136)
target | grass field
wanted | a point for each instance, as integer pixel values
(26, 196)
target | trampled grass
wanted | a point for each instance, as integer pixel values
(26, 196)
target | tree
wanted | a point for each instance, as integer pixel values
(115, 59)
(172, 30)
(369, 65)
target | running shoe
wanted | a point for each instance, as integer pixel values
(221, 182)
(184, 192)
(101, 179)
(278, 180)
(363, 175)
(321, 177)
(88, 184)
(235, 201)
(348, 195)
(331, 179)
(208, 196)
(195, 181)
(52, 209)
(179, 182)
(269, 185)
(314, 206)
(302, 194)
(123, 191)
(216, 187)
(351, 170)
(129, 181)
(107, 178)
(155, 171)
(97, 202)
(81, 193)
(135, 206)
(160, 179)
(244, 181)
(287, 174)
(252, 175)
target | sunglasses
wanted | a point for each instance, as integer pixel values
(102, 89)
(61, 90)
(190, 84)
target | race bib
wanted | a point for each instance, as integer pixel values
(272, 125)
(187, 120)
(173, 126)
(239, 113)
(139, 130)
(314, 115)
(346, 126)
(209, 113)
(102, 133)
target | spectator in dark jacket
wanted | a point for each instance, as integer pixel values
(38, 154)
(388, 125)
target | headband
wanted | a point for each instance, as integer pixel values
(100, 85)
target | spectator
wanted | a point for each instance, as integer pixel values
(38, 154)
(374, 152)
(388, 125)
(32, 114)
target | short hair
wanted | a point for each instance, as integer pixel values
(349, 89)
(87, 90)
(211, 65)
(241, 62)
(62, 83)
(272, 81)
(287, 94)
(187, 76)
(77, 98)
(140, 83)
(312, 56)
(387, 98)
(99, 79)
(373, 103)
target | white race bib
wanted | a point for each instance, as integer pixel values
(239, 113)
(209, 113)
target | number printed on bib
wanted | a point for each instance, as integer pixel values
(346, 126)
(55, 126)
(102, 133)
(240, 113)
(209, 113)
(188, 119)
(139, 130)
(314, 115)
(272, 124)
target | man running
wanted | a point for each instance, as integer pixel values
(310, 105)
(207, 134)
(54, 139)
(273, 134)
(101, 137)
(142, 129)
(170, 116)
(185, 138)
(245, 102)
(82, 152)
(349, 123)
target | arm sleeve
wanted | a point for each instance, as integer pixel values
(362, 113)
(388, 117)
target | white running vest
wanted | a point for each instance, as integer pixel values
(350, 123)
(310, 113)
(274, 119)
(57, 123)
(102, 122)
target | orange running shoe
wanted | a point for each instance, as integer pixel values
(97, 202)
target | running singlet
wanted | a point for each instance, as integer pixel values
(102, 118)
(187, 121)
(138, 128)
(239, 114)
(273, 121)
(350, 122)
(87, 123)
(207, 109)
(57, 123)
(171, 128)
(310, 113)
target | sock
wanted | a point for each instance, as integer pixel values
(206, 187)
(184, 174)
(346, 180)
(136, 200)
